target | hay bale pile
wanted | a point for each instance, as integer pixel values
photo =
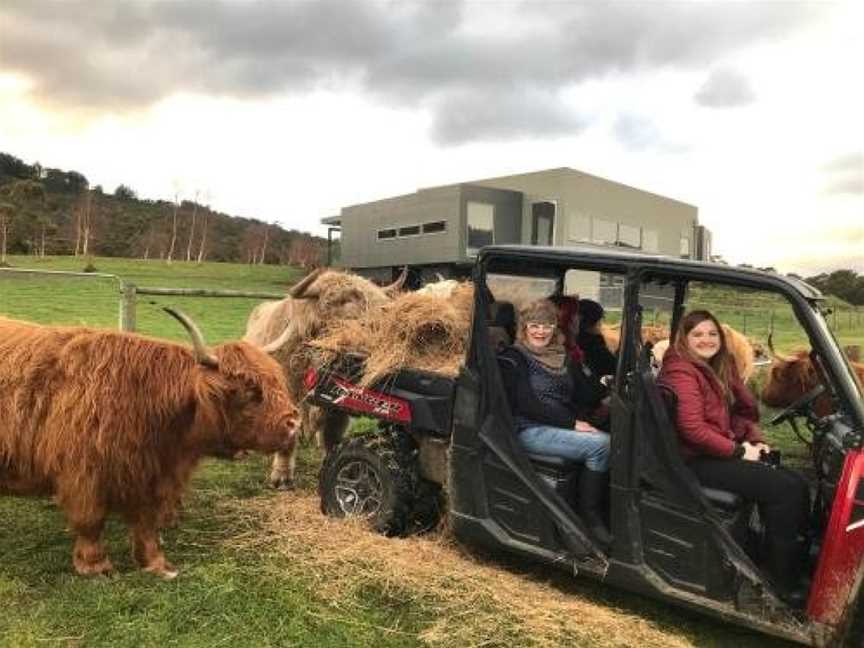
(427, 332)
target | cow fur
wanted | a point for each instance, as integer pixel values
(114, 423)
(323, 297)
(737, 344)
(791, 376)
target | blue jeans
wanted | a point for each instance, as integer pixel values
(590, 447)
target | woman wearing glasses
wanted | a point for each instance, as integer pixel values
(553, 400)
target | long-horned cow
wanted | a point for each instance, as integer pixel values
(322, 297)
(112, 422)
(793, 375)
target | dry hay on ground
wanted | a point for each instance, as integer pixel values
(470, 602)
(421, 331)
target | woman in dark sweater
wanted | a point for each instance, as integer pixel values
(554, 403)
(718, 426)
(590, 339)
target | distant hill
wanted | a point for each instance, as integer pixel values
(47, 211)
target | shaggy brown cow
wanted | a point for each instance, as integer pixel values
(652, 333)
(792, 376)
(112, 422)
(319, 299)
(737, 343)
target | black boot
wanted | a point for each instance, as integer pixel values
(593, 487)
(784, 561)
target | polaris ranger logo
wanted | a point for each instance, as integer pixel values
(365, 401)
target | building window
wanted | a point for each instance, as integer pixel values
(685, 247)
(605, 233)
(629, 236)
(649, 241)
(481, 226)
(385, 234)
(409, 230)
(434, 228)
(580, 228)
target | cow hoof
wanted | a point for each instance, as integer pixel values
(282, 483)
(163, 570)
(96, 568)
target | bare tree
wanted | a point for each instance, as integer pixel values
(264, 245)
(169, 257)
(86, 225)
(5, 219)
(192, 227)
(202, 250)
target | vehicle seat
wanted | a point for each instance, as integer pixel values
(725, 500)
(558, 472)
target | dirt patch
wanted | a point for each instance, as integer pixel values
(473, 603)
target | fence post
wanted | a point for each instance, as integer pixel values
(127, 306)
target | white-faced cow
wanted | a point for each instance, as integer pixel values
(111, 422)
(321, 298)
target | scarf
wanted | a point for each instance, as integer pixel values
(552, 355)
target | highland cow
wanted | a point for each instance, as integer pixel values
(791, 376)
(110, 422)
(318, 300)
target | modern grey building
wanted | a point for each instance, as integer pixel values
(440, 229)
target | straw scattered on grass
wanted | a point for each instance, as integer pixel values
(471, 602)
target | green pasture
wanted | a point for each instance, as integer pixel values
(227, 595)
(95, 301)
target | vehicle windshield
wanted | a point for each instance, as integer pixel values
(836, 350)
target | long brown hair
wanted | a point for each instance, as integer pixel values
(722, 364)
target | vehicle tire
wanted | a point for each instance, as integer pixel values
(376, 477)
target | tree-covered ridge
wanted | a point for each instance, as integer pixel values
(47, 211)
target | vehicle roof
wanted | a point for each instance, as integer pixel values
(629, 258)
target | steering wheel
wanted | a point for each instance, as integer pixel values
(799, 406)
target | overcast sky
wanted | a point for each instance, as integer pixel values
(288, 111)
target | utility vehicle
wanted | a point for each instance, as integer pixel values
(454, 441)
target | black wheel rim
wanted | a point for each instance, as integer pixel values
(358, 489)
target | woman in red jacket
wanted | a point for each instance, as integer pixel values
(718, 426)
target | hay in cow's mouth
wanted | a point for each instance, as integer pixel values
(424, 332)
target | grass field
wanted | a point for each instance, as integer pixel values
(260, 568)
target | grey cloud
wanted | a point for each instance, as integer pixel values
(845, 174)
(124, 55)
(725, 89)
(850, 185)
(471, 116)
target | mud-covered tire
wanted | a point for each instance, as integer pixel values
(376, 477)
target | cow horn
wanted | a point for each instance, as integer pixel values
(297, 290)
(774, 353)
(202, 353)
(440, 276)
(396, 286)
(273, 346)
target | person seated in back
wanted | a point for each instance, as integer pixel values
(590, 339)
(553, 403)
(718, 426)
